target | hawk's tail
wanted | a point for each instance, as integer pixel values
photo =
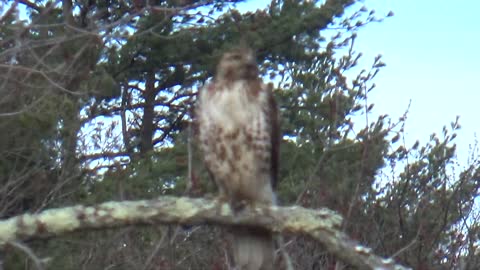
(253, 249)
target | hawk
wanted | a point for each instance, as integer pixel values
(238, 132)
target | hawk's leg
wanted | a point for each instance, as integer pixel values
(238, 203)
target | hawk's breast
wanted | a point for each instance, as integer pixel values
(235, 138)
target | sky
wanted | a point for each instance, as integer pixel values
(432, 52)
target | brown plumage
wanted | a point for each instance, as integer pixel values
(237, 121)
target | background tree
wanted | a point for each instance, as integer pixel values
(96, 97)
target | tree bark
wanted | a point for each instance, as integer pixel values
(146, 140)
(322, 225)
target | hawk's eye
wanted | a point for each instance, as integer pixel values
(235, 57)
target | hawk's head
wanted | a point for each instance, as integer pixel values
(237, 64)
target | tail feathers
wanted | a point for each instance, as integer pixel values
(253, 249)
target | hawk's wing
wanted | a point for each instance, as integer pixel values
(275, 135)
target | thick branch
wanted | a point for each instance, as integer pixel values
(322, 225)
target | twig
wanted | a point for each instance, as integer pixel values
(25, 249)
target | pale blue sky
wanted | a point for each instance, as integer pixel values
(431, 48)
(432, 52)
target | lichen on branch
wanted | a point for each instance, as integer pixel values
(322, 225)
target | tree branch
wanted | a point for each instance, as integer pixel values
(30, 5)
(322, 225)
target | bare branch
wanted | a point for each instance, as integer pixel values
(25, 249)
(322, 225)
(44, 75)
(30, 5)
(9, 11)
